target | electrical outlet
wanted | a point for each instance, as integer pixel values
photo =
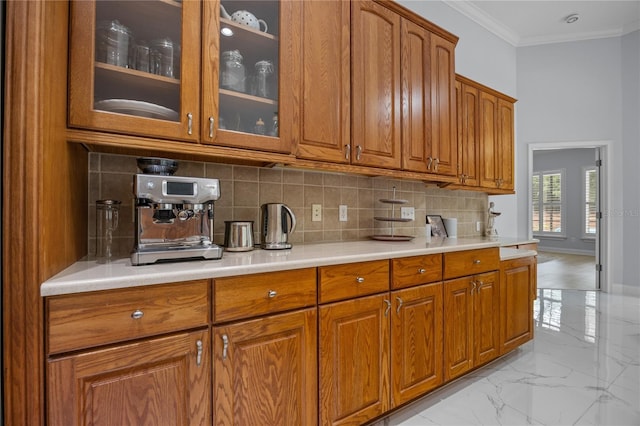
(478, 226)
(342, 213)
(316, 212)
(407, 213)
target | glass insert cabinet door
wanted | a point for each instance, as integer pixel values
(243, 64)
(135, 67)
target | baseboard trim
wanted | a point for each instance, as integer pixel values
(565, 251)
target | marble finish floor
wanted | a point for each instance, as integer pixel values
(582, 368)
(566, 271)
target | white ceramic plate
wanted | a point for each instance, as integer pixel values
(138, 108)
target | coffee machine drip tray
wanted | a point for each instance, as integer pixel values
(147, 256)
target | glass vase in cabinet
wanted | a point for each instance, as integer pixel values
(135, 67)
(247, 53)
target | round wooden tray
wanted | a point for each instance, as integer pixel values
(392, 237)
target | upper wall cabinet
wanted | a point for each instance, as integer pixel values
(184, 70)
(428, 102)
(486, 137)
(325, 89)
(375, 51)
(248, 49)
(135, 67)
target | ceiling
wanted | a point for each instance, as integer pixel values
(527, 22)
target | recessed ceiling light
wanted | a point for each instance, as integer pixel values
(572, 18)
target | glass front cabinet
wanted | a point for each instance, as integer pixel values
(206, 72)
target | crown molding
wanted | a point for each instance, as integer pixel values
(485, 20)
(498, 28)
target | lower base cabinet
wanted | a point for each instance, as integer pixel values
(472, 322)
(518, 279)
(354, 360)
(158, 381)
(416, 342)
(265, 371)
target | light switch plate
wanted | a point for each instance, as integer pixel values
(342, 213)
(408, 213)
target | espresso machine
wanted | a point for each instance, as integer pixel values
(174, 218)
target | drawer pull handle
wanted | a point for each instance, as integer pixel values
(386, 312)
(476, 261)
(211, 124)
(422, 271)
(199, 353)
(360, 279)
(400, 302)
(272, 294)
(189, 123)
(137, 314)
(225, 346)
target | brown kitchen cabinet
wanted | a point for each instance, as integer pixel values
(471, 322)
(232, 107)
(496, 141)
(325, 84)
(375, 86)
(471, 309)
(265, 362)
(354, 360)
(194, 100)
(107, 91)
(429, 140)
(518, 282)
(416, 341)
(111, 352)
(485, 124)
(467, 98)
(163, 380)
(265, 370)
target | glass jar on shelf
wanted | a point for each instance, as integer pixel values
(232, 72)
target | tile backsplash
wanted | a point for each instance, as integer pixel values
(244, 189)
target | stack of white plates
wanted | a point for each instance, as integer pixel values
(137, 108)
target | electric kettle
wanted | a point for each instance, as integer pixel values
(277, 222)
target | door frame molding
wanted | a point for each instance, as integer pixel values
(603, 242)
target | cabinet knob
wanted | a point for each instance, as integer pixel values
(360, 279)
(137, 314)
(476, 261)
(272, 294)
(422, 271)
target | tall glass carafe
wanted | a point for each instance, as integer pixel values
(107, 212)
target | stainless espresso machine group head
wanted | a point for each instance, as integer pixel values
(174, 218)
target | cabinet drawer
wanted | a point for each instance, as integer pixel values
(352, 280)
(85, 320)
(470, 262)
(410, 271)
(258, 294)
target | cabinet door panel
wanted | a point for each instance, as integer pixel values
(487, 317)
(326, 90)
(416, 341)
(506, 143)
(489, 172)
(516, 280)
(443, 106)
(458, 327)
(375, 47)
(416, 97)
(156, 381)
(110, 94)
(265, 371)
(354, 360)
(468, 143)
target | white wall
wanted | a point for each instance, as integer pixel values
(631, 159)
(487, 59)
(573, 92)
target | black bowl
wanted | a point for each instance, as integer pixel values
(157, 166)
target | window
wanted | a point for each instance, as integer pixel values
(590, 182)
(547, 192)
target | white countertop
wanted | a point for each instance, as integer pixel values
(88, 275)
